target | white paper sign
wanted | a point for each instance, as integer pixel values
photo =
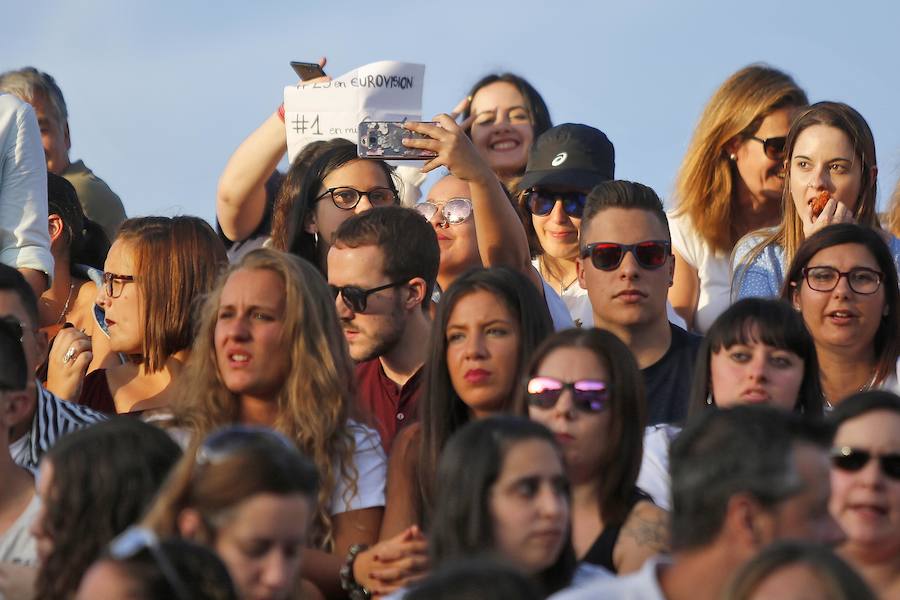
(380, 91)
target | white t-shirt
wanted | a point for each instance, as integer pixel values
(640, 585)
(654, 477)
(17, 545)
(713, 269)
(371, 467)
(577, 301)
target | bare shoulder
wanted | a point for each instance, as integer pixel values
(644, 534)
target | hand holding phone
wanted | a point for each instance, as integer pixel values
(384, 140)
(451, 148)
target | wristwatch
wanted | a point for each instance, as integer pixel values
(348, 581)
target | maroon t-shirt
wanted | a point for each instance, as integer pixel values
(388, 405)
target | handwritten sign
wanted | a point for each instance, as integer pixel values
(380, 91)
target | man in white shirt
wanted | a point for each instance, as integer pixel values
(741, 479)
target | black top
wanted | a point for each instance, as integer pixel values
(601, 552)
(668, 380)
(264, 227)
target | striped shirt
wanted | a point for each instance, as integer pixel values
(53, 418)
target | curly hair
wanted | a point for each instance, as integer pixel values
(316, 400)
(103, 478)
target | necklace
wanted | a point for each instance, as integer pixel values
(550, 277)
(65, 309)
(865, 387)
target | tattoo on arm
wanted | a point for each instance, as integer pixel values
(652, 532)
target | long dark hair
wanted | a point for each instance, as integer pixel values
(104, 477)
(624, 441)
(469, 467)
(297, 196)
(759, 320)
(537, 108)
(887, 338)
(443, 411)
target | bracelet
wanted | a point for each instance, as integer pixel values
(281, 112)
(348, 581)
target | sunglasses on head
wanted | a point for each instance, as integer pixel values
(773, 146)
(588, 395)
(225, 442)
(135, 540)
(607, 256)
(851, 459)
(454, 211)
(541, 202)
(357, 299)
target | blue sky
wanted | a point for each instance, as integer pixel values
(161, 93)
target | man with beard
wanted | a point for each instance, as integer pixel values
(382, 269)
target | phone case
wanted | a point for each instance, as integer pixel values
(383, 139)
(306, 71)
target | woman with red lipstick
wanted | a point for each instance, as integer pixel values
(501, 490)
(270, 352)
(844, 283)
(155, 273)
(509, 114)
(758, 351)
(865, 487)
(829, 151)
(584, 385)
(487, 324)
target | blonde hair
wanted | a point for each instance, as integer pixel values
(316, 400)
(705, 183)
(893, 214)
(176, 262)
(789, 234)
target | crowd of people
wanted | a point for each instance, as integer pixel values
(528, 380)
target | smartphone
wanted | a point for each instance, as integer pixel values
(383, 139)
(307, 70)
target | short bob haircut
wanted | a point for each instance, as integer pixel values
(104, 477)
(789, 234)
(862, 403)
(442, 410)
(469, 467)
(760, 321)
(887, 338)
(840, 580)
(296, 199)
(176, 262)
(230, 466)
(534, 103)
(706, 181)
(627, 409)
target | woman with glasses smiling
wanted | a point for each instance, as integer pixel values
(730, 183)
(844, 283)
(830, 177)
(584, 385)
(865, 487)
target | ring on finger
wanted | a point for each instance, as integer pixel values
(68, 355)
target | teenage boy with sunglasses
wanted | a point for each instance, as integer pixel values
(626, 266)
(564, 164)
(382, 269)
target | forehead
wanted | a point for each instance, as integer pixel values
(43, 108)
(11, 304)
(360, 174)
(273, 516)
(355, 266)
(479, 306)
(624, 226)
(120, 258)
(260, 287)
(844, 256)
(824, 139)
(447, 188)
(877, 429)
(571, 363)
(499, 94)
(530, 458)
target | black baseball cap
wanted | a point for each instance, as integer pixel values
(570, 154)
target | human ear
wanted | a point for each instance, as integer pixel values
(795, 297)
(731, 147)
(191, 527)
(416, 294)
(579, 270)
(54, 227)
(309, 224)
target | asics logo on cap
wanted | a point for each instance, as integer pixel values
(559, 159)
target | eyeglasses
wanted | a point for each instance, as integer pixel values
(113, 283)
(346, 198)
(224, 442)
(355, 298)
(588, 395)
(136, 539)
(607, 256)
(541, 202)
(13, 326)
(454, 211)
(862, 280)
(851, 459)
(773, 146)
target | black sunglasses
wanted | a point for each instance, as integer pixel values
(541, 202)
(773, 146)
(607, 256)
(588, 395)
(851, 459)
(356, 298)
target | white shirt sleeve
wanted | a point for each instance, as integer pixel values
(371, 468)
(24, 239)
